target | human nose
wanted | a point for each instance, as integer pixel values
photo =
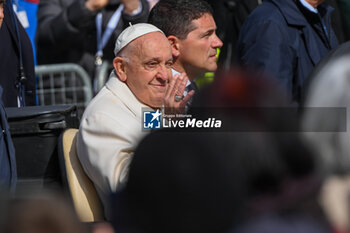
(163, 72)
(217, 43)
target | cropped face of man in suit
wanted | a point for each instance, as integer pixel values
(2, 2)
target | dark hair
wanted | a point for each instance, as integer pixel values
(174, 17)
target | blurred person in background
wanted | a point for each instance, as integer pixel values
(8, 168)
(216, 182)
(17, 76)
(328, 89)
(191, 30)
(280, 198)
(285, 40)
(41, 214)
(84, 32)
(27, 9)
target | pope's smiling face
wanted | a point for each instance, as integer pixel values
(148, 68)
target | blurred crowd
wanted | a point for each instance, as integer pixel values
(280, 162)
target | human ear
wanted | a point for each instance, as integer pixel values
(119, 67)
(175, 45)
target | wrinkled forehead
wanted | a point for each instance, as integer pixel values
(151, 44)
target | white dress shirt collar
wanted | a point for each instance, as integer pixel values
(308, 6)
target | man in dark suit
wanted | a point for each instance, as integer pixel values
(8, 171)
(285, 40)
(16, 62)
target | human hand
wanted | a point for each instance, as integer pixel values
(152, 3)
(174, 102)
(130, 5)
(95, 5)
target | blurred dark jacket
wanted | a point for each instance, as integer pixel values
(67, 31)
(331, 76)
(285, 40)
(344, 7)
(10, 61)
(328, 85)
(229, 16)
(8, 168)
(286, 223)
(342, 50)
(338, 23)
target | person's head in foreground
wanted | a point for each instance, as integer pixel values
(188, 181)
(41, 214)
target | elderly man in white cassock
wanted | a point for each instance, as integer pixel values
(111, 126)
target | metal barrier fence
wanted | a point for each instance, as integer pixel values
(102, 76)
(63, 84)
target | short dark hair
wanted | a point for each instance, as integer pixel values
(174, 17)
(2, 1)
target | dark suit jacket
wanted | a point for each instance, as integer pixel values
(9, 62)
(286, 41)
(341, 51)
(8, 169)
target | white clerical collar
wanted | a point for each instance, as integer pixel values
(308, 6)
(126, 96)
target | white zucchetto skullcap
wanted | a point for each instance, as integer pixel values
(131, 33)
